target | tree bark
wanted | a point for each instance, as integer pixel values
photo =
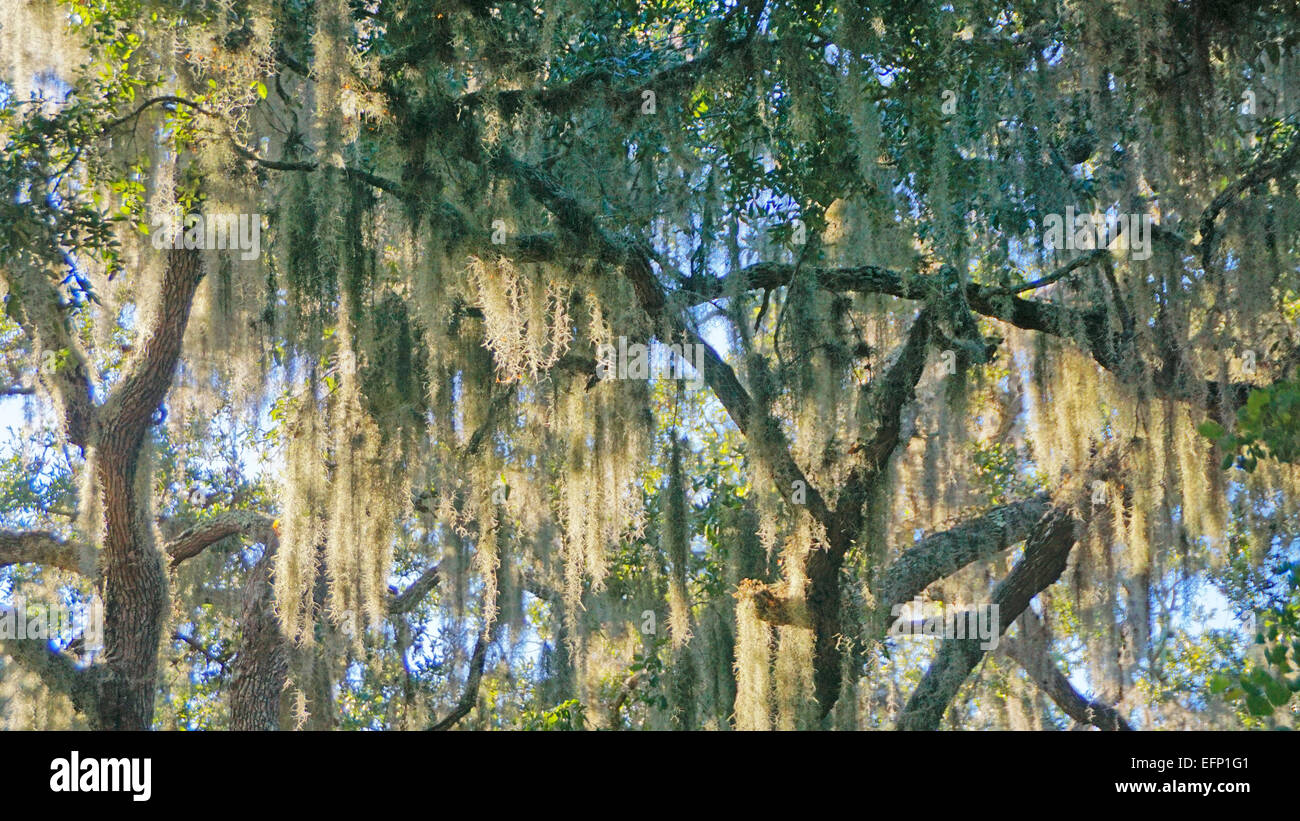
(135, 595)
(1044, 561)
(134, 577)
(261, 668)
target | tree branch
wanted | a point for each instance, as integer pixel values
(1044, 561)
(406, 601)
(942, 554)
(1260, 172)
(1030, 651)
(61, 365)
(261, 664)
(624, 692)
(470, 694)
(129, 410)
(39, 547)
(890, 394)
(219, 659)
(1088, 328)
(633, 257)
(198, 538)
(1060, 273)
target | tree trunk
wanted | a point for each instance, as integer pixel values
(262, 665)
(134, 590)
(824, 609)
(134, 579)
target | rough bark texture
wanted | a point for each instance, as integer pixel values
(118, 692)
(261, 668)
(135, 594)
(195, 540)
(134, 577)
(945, 553)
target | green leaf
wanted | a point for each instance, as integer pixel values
(1210, 429)
(1257, 402)
(1278, 693)
(1258, 705)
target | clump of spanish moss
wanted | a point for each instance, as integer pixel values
(302, 528)
(753, 665)
(676, 535)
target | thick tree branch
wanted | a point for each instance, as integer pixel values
(470, 694)
(198, 538)
(936, 557)
(889, 394)
(459, 231)
(1031, 651)
(39, 547)
(1044, 561)
(942, 554)
(408, 599)
(148, 376)
(60, 363)
(261, 665)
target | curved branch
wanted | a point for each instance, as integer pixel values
(1035, 660)
(1260, 172)
(1064, 271)
(633, 257)
(129, 411)
(1044, 561)
(942, 554)
(470, 695)
(198, 538)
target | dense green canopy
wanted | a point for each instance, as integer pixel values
(432, 363)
